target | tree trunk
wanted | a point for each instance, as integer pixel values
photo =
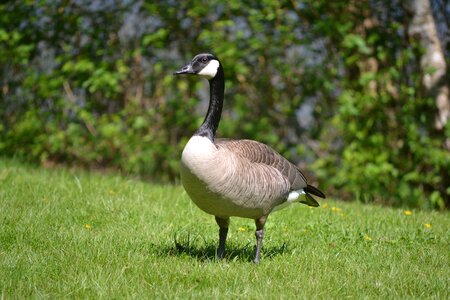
(423, 28)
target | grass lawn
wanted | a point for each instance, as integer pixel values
(70, 234)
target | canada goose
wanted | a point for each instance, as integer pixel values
(242, 178)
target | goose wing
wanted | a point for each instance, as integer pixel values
(260, 153)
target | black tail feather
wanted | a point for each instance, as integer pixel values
(310, 201)
(313, 190)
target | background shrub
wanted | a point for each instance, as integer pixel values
(333, 86)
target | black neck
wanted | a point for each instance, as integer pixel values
(212, 119)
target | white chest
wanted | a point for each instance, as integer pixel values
(198, 154)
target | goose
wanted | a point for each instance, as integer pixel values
(236, 177)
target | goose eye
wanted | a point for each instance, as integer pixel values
(204, 59)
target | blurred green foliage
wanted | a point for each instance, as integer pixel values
(335, 85)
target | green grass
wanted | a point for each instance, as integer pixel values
(77, 235)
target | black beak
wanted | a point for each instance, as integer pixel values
(187, 69)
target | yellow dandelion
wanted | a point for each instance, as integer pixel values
(242, 229)
(427, 225)
(367, 238)
(325, 205)
(336, 209)
(87, 226)
(407, 212)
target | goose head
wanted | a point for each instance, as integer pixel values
(205, 65)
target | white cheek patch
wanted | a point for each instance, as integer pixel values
(210, 70)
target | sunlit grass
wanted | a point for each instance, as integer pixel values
(72, 234)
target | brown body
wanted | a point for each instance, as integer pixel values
(240, 178)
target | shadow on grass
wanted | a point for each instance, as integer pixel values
(206, 251)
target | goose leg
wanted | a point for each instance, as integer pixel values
(223, 231)
(259, 233)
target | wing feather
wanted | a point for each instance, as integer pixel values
(260, 153)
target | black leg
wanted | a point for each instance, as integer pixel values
(223, 231)
(259, 233)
